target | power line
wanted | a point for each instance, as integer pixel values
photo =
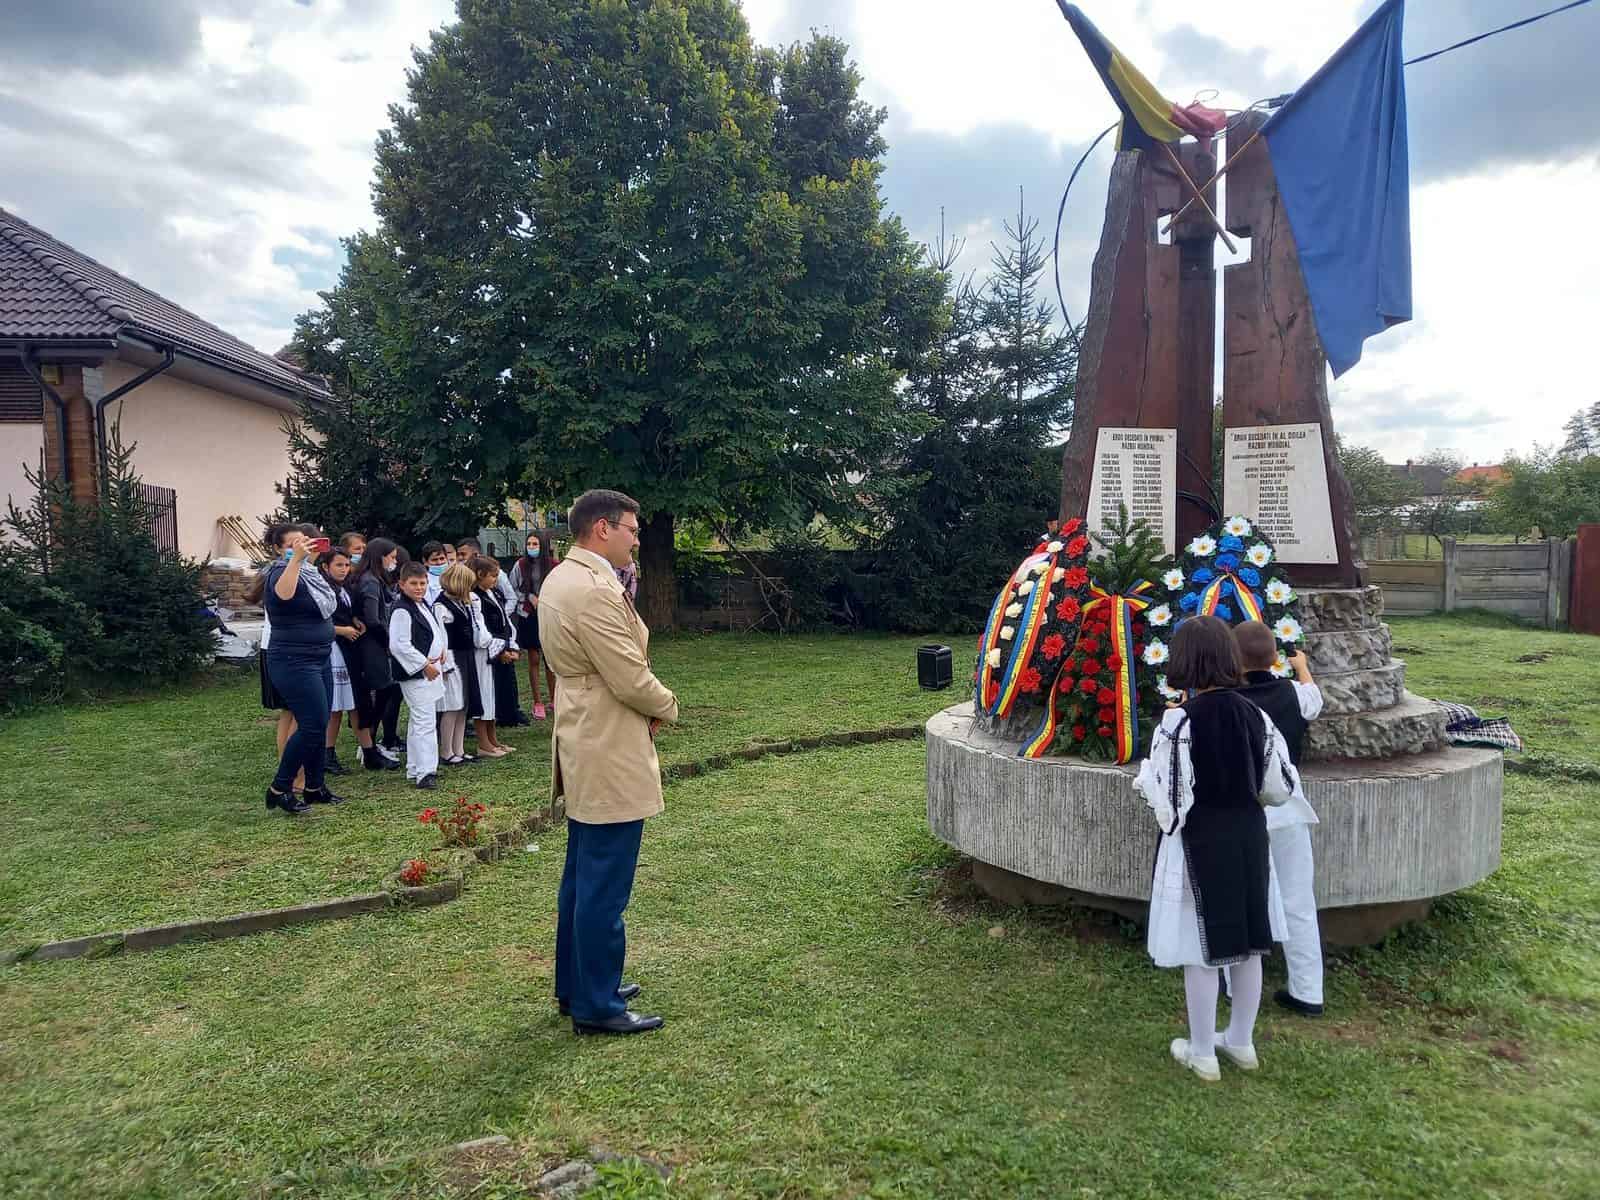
(1491, 33)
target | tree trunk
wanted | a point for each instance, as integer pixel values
(658, 583)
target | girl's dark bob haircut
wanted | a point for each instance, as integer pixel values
(1204, 655)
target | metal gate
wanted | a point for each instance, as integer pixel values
(162, 505)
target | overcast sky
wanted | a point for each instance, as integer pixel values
(216, 150)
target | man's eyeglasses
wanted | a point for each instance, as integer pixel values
(633, 530)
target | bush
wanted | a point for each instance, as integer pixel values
(88, 598)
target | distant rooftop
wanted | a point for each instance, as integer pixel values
(50, 292)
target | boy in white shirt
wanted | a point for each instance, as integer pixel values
(417, 644)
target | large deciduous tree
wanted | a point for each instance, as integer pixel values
(623, 247)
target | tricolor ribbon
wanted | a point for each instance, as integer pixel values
(1215, 593)
(1123, 608)
(1039, 567)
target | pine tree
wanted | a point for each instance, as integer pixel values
(1133, 552)
(1580, 437)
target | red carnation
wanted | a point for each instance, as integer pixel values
(1107, 714)
(1113, 661)
(1091, 666)
(1088, 686)
(1066, 682)
(1077, 546)
(1104, 731)
(1105, 696)
(1072, 526)
(1070, 665)
(1054, 646)
(1031, 680)
(1079, 733)
(1067, 610)
(1138, 649)
(1076, 577)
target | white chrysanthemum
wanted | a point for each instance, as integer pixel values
(1172, 580)
(1007, 634)
(1279, 592)
(1025, 587)
(1237, 526)
(1287, 629)
(1280, 668)
(1013, 610)
(1058, 575)
(1203, 546)
(1166, 689)
(993, 657)
(1054, 547)
(1155, 653)
(1259, 555)
(1160, 615)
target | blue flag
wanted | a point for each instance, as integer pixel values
(1339, 150)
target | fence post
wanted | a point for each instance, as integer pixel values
(1448, 545)
(1552, 593)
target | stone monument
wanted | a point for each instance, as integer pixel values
(1404, 816)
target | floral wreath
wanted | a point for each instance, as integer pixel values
(1032, 623)
(1230, 571)
(1107, 683)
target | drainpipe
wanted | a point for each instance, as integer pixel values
(105, 401)
(32, 369)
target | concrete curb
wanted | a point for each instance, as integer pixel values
(395, 894)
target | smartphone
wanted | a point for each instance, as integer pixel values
(320, 545)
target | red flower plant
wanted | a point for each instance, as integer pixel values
(1076, 577)
(1030, 680)
(1054, 646)
(416, 872)
(1067, 610)
(459, 826)
(1077, 547)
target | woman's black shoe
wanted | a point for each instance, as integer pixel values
(291, 804)
(323, 796)
(374, 761)
(331, 764)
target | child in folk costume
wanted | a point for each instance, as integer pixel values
(453, 607)
(335, 568)
(1214, 762)
(417, 645)
(1292, 705)
(438, 562)
(499, 698)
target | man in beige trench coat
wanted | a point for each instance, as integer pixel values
(608, 706)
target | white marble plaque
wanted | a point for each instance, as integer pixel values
(1276, 475)
(1137, 468)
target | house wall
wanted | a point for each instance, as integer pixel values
(21, 443)
(222, 454)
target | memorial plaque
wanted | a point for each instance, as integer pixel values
(1137, 468)
(1276, 475)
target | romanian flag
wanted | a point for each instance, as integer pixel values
(1148, 117)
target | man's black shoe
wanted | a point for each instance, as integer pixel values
(1285, 1000)
(324, 796)
(625, 1023)
(626, 992)
(428, 783)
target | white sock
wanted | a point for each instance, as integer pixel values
(1200, 990)
(1245, 982)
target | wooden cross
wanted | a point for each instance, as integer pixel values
(1198, 196)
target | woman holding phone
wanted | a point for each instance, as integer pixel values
(300, 603)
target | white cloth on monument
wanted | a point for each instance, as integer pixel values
(1173, 937)
(344, 696)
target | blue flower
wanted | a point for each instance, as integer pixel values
(1190, 602)
(1224, 613)
(1231, 543)
(1202, 575)
(1227, 562)
(1251, 576)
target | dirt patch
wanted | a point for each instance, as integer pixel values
(465, 1171)
(1538, 656)
(1409, 651)
(227, 867)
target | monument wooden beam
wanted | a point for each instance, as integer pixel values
(1147, 356)
(1274, 371)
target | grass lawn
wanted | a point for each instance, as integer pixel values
(845, 1017)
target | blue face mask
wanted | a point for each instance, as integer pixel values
(534, 553)
(354, 559)
(288, 554)
(438, 569)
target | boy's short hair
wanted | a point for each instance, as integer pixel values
(413, 570)
(429, 549)
(1203, 656)
(481, 565)
(471, 543)
(1258, 648)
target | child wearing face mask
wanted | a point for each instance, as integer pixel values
(437, 561)
(418, 647)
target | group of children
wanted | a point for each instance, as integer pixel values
(1233, 871)
(441, 633)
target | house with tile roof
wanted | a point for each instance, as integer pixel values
(83, 347)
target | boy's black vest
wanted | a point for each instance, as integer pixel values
(421, 636)
(458, 633)
(1277, 698)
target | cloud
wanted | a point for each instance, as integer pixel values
(102, 37)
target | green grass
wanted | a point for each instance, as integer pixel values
(846, 1018)
(139, 812)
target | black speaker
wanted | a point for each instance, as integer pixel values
(933, 667)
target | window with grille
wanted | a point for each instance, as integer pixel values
(20, 397)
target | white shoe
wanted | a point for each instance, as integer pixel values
(1243, 1057)
(1206, 1068)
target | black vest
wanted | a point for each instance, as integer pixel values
(344, 612)
(1277, 698)
(494, 617)
(421, 636)
(1228, 749)
(458, 633)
